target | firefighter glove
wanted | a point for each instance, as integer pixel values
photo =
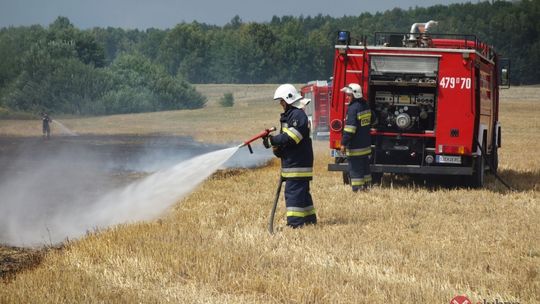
(266, 142)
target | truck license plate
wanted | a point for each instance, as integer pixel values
(446, 159)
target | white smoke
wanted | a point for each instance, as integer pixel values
(62, 199)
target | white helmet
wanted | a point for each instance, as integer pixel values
(353, 88)
(288, 93)
(291, 96)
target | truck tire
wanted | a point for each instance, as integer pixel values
(477, 179)
(494, 164)
(376, 178)
(479, 166)
(494, 160)
(346, 178)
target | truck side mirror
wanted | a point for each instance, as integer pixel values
(504, 73)
(505, 79)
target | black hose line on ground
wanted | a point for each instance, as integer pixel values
(273, 212)
(491, 164)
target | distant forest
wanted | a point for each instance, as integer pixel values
(62, 69)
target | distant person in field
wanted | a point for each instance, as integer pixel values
(293, 146)
(46, 120)
(356, 141)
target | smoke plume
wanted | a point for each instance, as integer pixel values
(58, 189)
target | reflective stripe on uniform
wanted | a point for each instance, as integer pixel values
(359, 152)
(364, 117)
(357, 181)
(297, 172)
(294, 134)
(349, 129)
(363, 113)
(300, 212)
(360, 181)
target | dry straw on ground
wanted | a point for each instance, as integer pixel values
(398, 243)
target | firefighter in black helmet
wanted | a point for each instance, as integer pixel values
(356, 140)
(293, 146)
(46, 128)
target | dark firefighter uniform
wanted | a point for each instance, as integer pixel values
(357, 140)
(293, 146)
(46, 128)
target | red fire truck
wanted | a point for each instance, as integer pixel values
(318, 110)
(434, 97)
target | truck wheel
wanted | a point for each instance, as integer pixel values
(376, 178)
(346, 178)
(494, 165)
(477, 179)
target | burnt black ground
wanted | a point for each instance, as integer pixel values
(65, 169)
(68, 168)
(118, 152)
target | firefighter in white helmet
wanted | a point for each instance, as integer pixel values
(293, 147)
(356, 140)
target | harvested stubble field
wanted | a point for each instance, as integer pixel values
(398, 243)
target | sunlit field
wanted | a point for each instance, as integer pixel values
(401, 242)
(253, 110)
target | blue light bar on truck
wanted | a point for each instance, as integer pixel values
(344, 37)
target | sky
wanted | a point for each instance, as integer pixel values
(143, 14)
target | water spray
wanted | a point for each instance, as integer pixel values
(34, 218)
(38, 217)
(64, 129)
(263, 134)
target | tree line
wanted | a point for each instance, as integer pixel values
(112, 70)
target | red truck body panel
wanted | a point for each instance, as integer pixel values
(438, 101)
(318, 110)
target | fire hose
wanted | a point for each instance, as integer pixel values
(491, 164)
(247, 143)
(274, 206)
(263, 134)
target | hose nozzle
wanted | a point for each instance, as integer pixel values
(264, 133)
